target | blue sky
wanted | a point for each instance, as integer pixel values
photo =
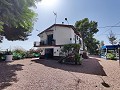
(105, 12)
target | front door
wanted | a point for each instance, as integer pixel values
(49, 53)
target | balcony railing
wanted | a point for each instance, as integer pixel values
(36, 44)
(44, 43)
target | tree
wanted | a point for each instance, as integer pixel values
(87, 29)
(102, 43)
(94, 47)
(71, 52)
(112, 38)
(70, 48)
(16, 18)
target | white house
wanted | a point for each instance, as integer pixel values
(53, 38)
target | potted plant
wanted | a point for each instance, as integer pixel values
(8, 56)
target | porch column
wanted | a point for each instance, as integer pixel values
(106, 54)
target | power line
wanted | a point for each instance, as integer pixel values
(108, 34)
(109, 28)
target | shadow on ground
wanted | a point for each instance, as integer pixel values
(89, 66)
(7, 74)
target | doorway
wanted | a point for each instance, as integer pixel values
(49, 53)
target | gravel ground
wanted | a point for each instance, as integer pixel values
(34, 74)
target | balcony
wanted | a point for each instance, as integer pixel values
(36, 44)
(44, 43)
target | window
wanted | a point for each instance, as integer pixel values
(79, 41)
(77, 37)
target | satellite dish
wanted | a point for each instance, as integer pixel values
(66, 19)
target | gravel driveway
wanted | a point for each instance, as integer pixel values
(34, 74)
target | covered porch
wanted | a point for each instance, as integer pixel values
(110, 49)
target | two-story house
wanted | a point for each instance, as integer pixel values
(53, 38)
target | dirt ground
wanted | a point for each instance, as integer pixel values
(34, 74)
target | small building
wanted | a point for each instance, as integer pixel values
(53, 38)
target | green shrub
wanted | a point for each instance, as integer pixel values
(2, 57)
(78, 59)
(32, 53)
(111, 56)
(29, 54)
(19, 54)
(71, 48)
(71, 52)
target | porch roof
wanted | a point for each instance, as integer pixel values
(110, 47)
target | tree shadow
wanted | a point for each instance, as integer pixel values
(89, 66)
(7, 74)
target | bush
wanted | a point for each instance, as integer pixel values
(111, 56)
(32, 53)
(29, 54)
(2, 57)
(78, 59)
(72, 55)
(8, 53)
(19, 54)
(71, 48)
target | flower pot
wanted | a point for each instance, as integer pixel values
(9, 58)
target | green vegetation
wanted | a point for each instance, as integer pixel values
(19, 54)
(32, 53)
(16, 18)
(71, 52)
(112, 38)
(2, 56)
(87, 29)
(71, 48)
(111, 56)
(78, 58)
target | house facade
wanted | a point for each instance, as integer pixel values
(53, 38)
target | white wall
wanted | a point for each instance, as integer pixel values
(72, 36)
(62, 35)
(56, 51)
(43, 36)
(81, 48)
(43, 51)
